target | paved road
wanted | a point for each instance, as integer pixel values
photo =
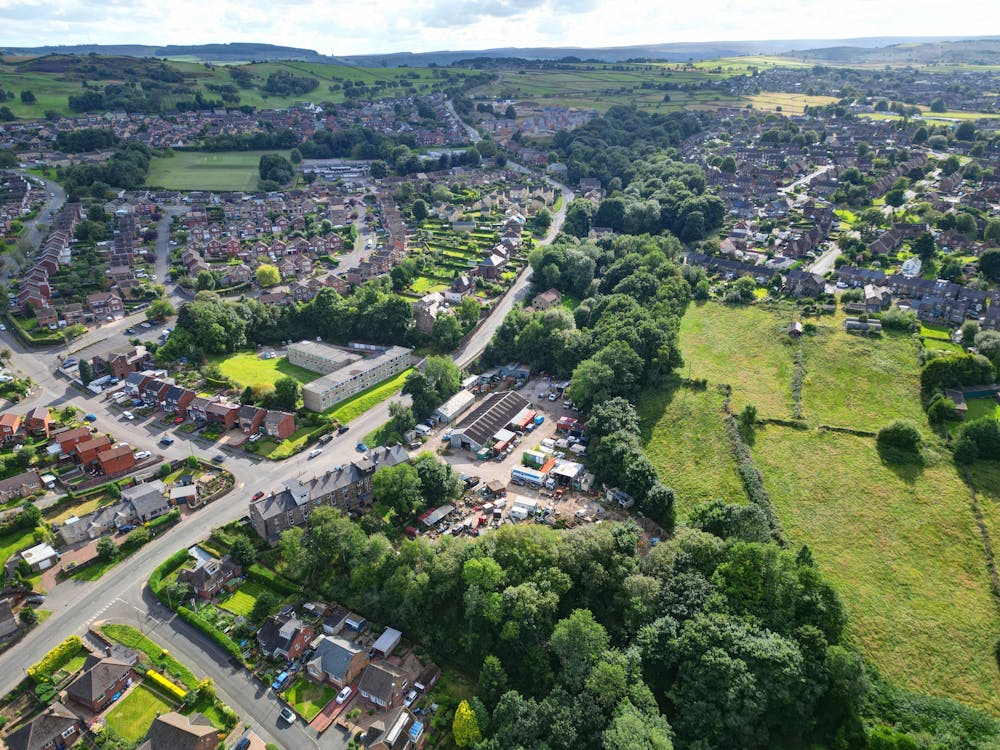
(825, 263)
(33, 233)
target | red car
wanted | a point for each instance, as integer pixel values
(258, 495)
(178, 420)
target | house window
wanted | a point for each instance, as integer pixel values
(68, 732)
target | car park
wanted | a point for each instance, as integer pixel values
(287, 715)
(142, 454)
(344, 694)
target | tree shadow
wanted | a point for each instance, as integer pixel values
(907, 466)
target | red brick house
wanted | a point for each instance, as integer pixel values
(251, 419)
(46, 316)
(86, 451)
(284, 636)
(211, 576)
(222, 413)
(10, 428)
(38, 421)
(68, 439)
(121, 364)
(279, 424)
(101, 681)
(106, 304)
(56, 727)
(116, 460)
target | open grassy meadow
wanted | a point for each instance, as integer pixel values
(790, 104)
(684, 437)
(745, 347)
(246, 368)
(189, 170)
(904, 551)
(985, 478)
(858, 382)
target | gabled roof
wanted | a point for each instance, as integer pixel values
(98, 677)
(43, 729)
(333, 656)
(173, 731)
(381, 681)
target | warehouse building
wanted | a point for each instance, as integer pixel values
(482, 425)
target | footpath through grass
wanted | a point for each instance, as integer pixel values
(903, 550)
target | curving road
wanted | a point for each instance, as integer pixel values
(120, 595)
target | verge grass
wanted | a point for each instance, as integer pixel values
(684, 437)
(359, 403)
(904, 552)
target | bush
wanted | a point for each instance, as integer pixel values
(979, 438)
(55, 659)
(955, 370)
(195, 620)
(270, 579)
(899, 440)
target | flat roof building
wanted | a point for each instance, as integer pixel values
(354, 377)
(319, 357)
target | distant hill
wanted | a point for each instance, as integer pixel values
(220, 53)
(832, 50)
(984, 51)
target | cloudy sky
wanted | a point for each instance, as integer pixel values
(369, 26)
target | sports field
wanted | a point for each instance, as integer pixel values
(189, 170)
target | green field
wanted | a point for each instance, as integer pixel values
(242, 601)
(858, 382)
(15, 541)
(134, 713)
(247, 368)
(189, 170)
(745, 347)
(904, 552)
(308, 698)
(684, 437)
(358, 404)
(791, 104)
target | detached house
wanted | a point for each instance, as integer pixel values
(10, 428)
(336, 661)
(174, 731)
(382, 684)
(102, 681)
(106, 305)
(38, 421)
(285, 636)
(209, 577)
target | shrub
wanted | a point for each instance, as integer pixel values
(270, 579)
(195, 620)
(899, 440)
(956, 369)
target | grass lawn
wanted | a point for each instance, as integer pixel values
(859, 382)
(684, 437)
(932, 331)
(246, 368)
(904, 552)
(359, 403)
(135, 712)
(746, 347)
(242, 601)
(15, 541)
(308, 698)
(982, 407)
(129, 636)
(189, 170)
(985, 477)
(287, 447)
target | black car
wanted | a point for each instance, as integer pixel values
(343, 428)
(243, 744)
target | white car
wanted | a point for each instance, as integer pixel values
(3, 327)
(315, 452)
(128, 415)
(141, 455)
(410, 698)
(344, 694)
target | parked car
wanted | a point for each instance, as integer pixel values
(287, 715)
(3, 327)
(219, 457)
(315, 452)
(410, 698)
(90, 418)
(361, 448)
(166, 440)
(243, 744)
(126, 528)
(344, 694)
(258, 495)
(146, 324)
(279, 681)
(128, 415)
(179, 420)
(343, 428)
(141, 455)
(36, 599)
(129, 331)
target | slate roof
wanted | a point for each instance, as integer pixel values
(333, 656)
(43, 729)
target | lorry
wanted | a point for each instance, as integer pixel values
(525, 476)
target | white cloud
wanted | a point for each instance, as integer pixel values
(372, 26)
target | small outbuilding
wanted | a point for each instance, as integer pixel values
(387, 642)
